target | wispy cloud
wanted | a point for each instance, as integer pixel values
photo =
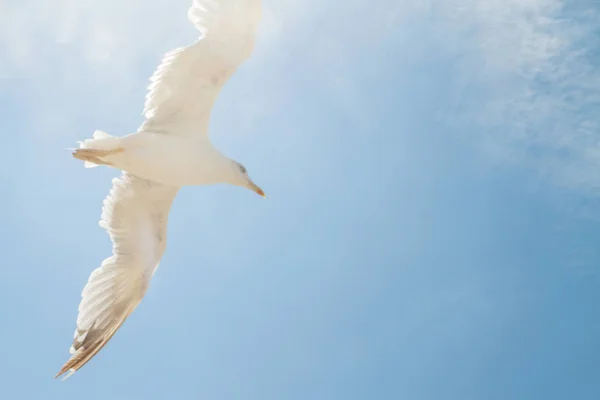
(527, 90)
(523, 83)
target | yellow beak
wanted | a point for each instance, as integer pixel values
(256, 189)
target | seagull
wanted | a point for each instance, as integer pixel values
(170, 149)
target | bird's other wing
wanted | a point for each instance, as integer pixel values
(187, 82)
(135, 215)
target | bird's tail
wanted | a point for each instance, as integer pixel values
(91, 151)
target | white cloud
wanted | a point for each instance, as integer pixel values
(73, 52)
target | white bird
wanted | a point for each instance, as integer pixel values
(170, 149)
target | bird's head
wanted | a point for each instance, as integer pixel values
(240, 178)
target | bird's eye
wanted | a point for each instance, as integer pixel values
(243, 169)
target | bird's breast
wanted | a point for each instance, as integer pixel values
(170, 160)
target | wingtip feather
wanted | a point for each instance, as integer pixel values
(66, 368)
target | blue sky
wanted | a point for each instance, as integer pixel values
(431, 226)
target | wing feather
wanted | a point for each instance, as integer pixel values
(135, 215)
(185, 85)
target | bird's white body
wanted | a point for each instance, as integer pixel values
(171, 160)
(170, 149)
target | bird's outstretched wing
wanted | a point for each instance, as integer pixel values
(135, 215)
(188, 80)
